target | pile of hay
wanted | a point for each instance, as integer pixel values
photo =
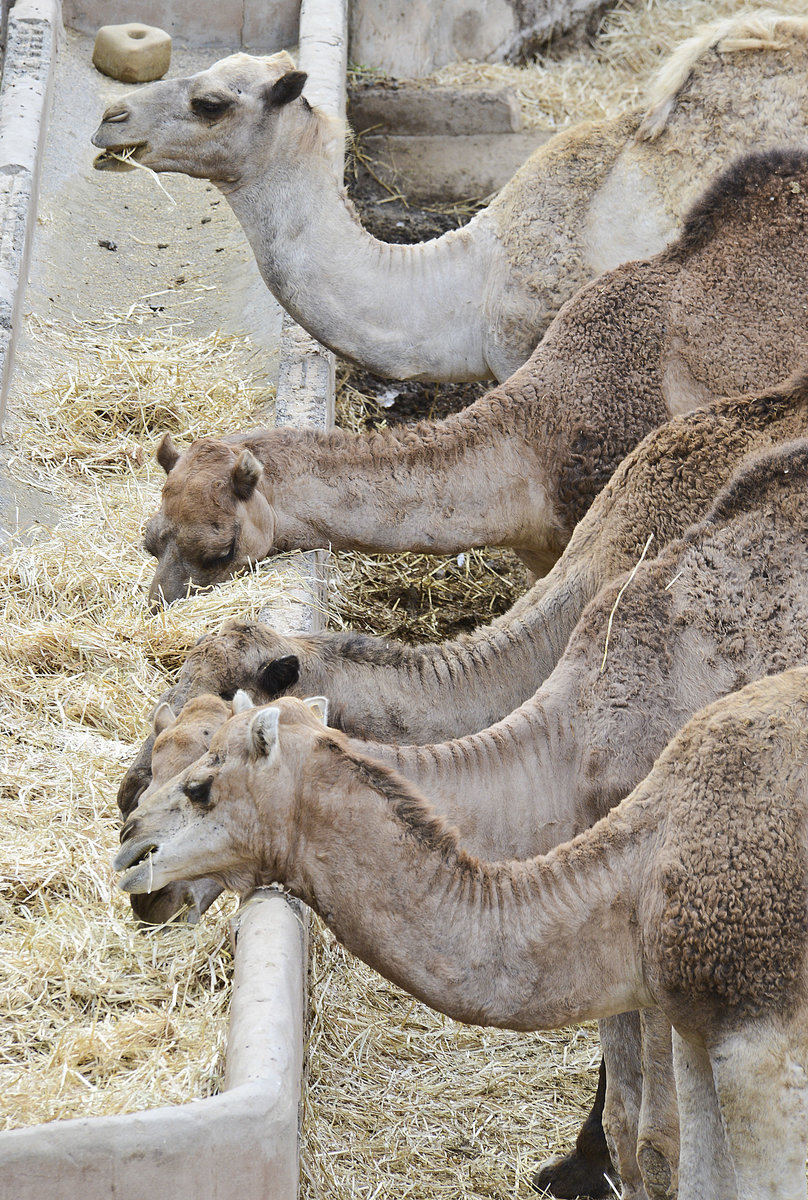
(98, 1016)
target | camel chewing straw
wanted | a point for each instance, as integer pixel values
(127, 157)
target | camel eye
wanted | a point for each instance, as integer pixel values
(198, 790)
(221, 560)
(210, 106)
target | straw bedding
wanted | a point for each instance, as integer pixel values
(98, 1016)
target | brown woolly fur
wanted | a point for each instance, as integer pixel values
(729, 933)
(734, 199)
(724, 313)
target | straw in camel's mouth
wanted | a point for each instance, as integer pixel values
(134, 861)
(118, 158)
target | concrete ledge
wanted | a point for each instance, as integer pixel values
(33, 27)
(245, 1139)
(431, 169)
(407, 110)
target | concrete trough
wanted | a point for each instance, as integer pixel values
(244, 1141)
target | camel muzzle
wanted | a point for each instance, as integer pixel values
(120, 157)
(135, 862)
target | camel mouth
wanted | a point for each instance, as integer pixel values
(119, 158)
(136, 865)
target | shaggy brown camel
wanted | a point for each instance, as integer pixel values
(473, 303)
(389, 691)
(725, 604)
(690, 895)
(721, 311)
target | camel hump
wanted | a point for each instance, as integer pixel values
(765, 30)
(749, 187)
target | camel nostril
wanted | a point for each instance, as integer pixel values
(114, 116)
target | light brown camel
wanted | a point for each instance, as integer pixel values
(690, 895)
(473, 303)
(389, 691)
(721, 311)
(723, 605)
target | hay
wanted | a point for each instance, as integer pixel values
(611, 75)
(99, 1017)
(402, 1101)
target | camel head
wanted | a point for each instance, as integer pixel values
(215, 125)
(231, 816)
(214, 520)
(178, 742)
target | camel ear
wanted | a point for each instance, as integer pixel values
(319, 706)
(263, 732)
(245, 474)
(242, 702)
(286, 89)
(166, 453)
(164, 717)
(277, 676)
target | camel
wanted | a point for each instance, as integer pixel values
(388, 691)
(177, 741)
(690, 895)
(721, 606)
(721, 311)
(474, 303)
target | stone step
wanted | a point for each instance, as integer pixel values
(403, 108)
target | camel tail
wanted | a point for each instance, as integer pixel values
(762, 30)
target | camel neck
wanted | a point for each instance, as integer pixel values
(428, 488)
(407, 312)
(522, 945)
(533, 757)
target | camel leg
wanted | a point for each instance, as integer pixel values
(658, 1137)
(620, 1039)
(762, 1085)
(705, 1169)
(584, 1171)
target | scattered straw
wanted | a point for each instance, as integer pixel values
(619, 597)
(128, 158)
(97, 1016)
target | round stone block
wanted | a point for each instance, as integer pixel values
(133, 53)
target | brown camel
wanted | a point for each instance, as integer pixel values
(690, 895)
(474, 303)
(389, 691)
(721, 311)
(723, 605)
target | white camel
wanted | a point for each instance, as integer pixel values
(474, 303)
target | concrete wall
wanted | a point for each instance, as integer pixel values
(410, 38)
(259, 26)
